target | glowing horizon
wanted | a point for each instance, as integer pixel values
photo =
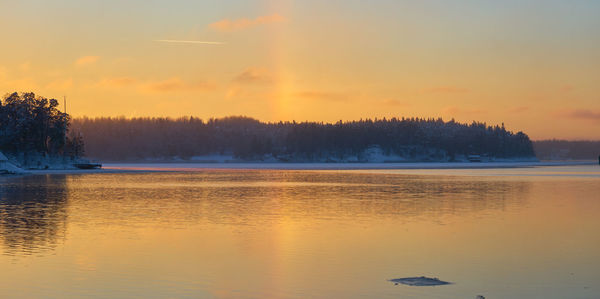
(532, 65)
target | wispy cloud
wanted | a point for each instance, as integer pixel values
(86, 60)
(254, 75)
(585, 114)
(176, 84)
(228, 25)
(12, 83)
(173, 84)
(567, 88)
(177, 41)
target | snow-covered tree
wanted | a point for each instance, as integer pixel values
(33, 124)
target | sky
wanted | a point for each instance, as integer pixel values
(532, 65)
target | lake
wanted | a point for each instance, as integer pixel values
(269, 233)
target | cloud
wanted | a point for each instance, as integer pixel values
(175, 41)
(86, 60)
(447, 89)
(176, 84)
(10, 82)
(254, 75)
(567, 88)
(228, 25)
(585, 114)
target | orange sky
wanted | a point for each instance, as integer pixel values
(534, 65)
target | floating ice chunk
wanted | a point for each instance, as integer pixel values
(419, 281)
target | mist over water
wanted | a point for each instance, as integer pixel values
(295, 234)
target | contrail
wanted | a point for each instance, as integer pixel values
(188, 42)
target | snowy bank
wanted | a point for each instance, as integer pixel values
(6, 167)
(330, 166)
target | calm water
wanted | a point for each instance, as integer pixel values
(501, 233)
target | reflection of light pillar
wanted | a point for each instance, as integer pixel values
(65, 131)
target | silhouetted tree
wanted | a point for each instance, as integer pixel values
(33, 124)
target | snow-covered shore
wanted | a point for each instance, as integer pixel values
(176, 167)
(42, 164)
(332, 166)
(373, 155)
(83, 171)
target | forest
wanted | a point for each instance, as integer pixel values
(554, 149)
(32, 126)
(244, 138)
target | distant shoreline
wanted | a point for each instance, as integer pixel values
(115, 168)
(190, 166)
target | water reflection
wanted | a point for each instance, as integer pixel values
(297, 234)
(33, 213)
(33, 209)
(260, 197)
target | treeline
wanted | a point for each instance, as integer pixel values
(120, 139)
(566, 150)
(32, 125)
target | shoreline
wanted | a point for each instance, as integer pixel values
(112, 168)
(333, 166)
(74, 171)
